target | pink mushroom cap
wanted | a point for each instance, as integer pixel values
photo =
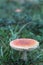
(24, 43)
(18, 10)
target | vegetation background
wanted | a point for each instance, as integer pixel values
(27, 23)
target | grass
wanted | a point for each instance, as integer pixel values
(27, 24)
(8, 56)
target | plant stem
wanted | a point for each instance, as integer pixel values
(24, 56)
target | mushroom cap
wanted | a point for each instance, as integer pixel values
(24, 44)
(18, 10)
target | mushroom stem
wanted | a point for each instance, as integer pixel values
(24, 56)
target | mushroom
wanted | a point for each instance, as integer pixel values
(24, 45)
(18, 10)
